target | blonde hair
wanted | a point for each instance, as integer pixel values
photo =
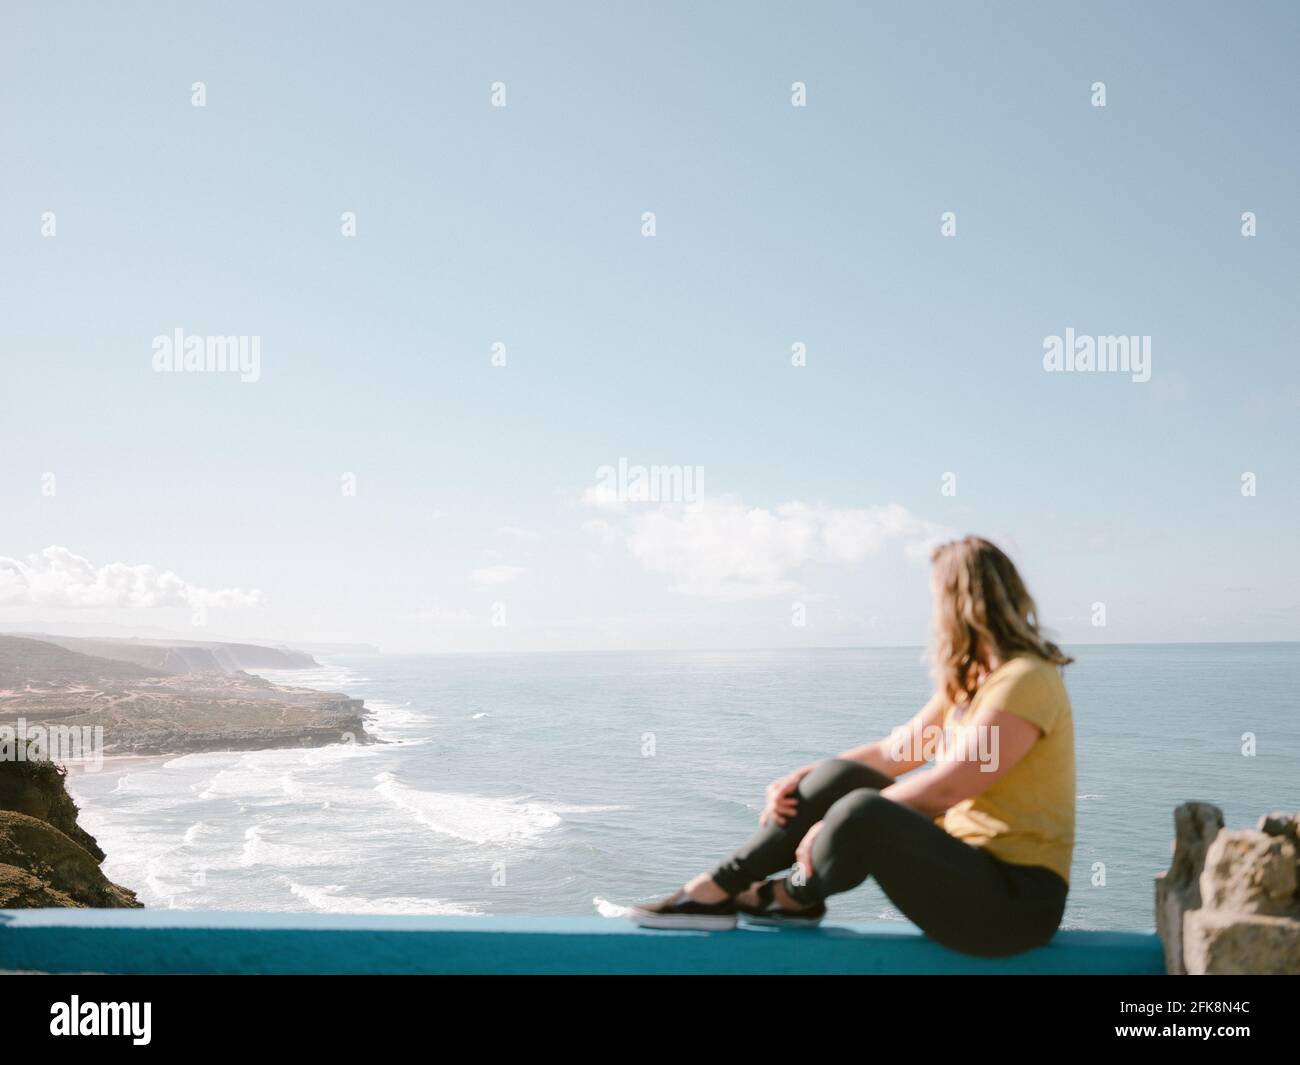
(983, 611)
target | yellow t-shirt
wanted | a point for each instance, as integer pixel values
(1026, 817)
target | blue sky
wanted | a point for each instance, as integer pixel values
(522, 224)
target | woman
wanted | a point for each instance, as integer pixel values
(976, 851)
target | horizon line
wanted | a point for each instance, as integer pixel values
(820, 647)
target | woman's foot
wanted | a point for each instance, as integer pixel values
(769, 903)
(701, 906)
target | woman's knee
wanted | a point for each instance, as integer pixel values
(858, 812)
(838, 776)
(849, 841)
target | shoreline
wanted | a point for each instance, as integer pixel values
(76, 767)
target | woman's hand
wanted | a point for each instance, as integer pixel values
(782, 800)
(803, 852)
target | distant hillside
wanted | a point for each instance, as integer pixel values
(185, 656)
(147, 709)
(26, 663)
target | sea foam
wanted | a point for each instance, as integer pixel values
(328, 899)
(472, 818)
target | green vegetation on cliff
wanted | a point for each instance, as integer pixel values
(46, 858)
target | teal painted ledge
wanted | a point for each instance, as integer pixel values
(173, 941)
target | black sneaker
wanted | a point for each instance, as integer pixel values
(681, 911)
(770, 912)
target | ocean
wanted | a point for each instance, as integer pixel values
(578, 783)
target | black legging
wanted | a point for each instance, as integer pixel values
(958, 894)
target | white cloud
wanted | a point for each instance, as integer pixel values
(496, 574)
(58, 578)
(721, 549)
(605, 534)
(604, 496)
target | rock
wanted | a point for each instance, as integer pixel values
(1281, 824)
(1223, 942)
(1230, 902)
(1251, 873)
(1196, 824)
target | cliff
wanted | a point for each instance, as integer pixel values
(46, 858)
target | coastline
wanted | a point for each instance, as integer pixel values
(78, 766)
(74, 711)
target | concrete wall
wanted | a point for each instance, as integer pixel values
(169, 941)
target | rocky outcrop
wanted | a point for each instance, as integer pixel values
(1230, 902)
(46, 858)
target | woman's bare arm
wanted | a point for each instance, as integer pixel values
(950, 782)
(906, 747)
